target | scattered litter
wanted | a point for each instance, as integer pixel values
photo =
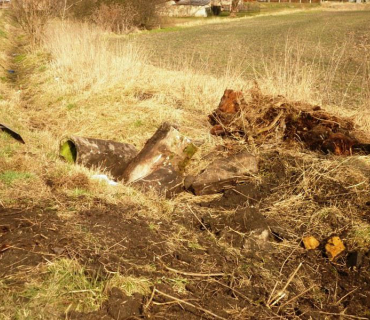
(10, 71)
(12, 133)
(104, 178)
(334, 247)
(310, 243)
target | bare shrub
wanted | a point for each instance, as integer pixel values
(32, 15)
(234, 7)
(114, 17)
(121, 16)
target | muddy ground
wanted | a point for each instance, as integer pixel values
(228, 261)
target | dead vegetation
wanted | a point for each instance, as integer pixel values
(269, 119)
(72, 247)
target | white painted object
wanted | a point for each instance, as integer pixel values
(201, 13)
(104, 178)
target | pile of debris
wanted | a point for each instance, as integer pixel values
(263, 118)
(159, 165)
(258, 119)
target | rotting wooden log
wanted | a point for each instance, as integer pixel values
(223, 173)
(108, 155)
(12, 133)
(162, 161)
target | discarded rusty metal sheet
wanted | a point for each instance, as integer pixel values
(12, 133)
(108, 155)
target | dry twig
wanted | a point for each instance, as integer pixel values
(346, 295)
(280, 295)
(297, 296)
(200, 221)
(194, 274)
(272, 124)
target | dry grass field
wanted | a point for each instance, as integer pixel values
(72, 247)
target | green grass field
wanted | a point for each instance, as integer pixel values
(323, 39)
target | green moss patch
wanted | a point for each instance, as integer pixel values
(68, 151)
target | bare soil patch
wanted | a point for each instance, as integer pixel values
(232, 284)
(27, 237)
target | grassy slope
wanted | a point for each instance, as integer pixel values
(248, 43)
(83, 89)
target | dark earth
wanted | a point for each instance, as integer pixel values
(230, 273)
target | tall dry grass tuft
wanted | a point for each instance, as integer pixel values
(300, 76)
(106, 87)
(289, 74)
(101, 75)
(316, 77)
(84, 58)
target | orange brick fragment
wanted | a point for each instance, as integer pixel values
(310, 243)
(334, 247)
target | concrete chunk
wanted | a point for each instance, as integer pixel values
(222, 173)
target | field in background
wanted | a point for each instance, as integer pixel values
(78, 238)
(335, 45)
(250, 9)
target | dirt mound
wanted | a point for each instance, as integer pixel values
(262, 118)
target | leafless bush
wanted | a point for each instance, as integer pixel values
(121, 16)
(114, 17)
(32, 15)
(234, 7)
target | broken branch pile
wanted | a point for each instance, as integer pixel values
(262, 118)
